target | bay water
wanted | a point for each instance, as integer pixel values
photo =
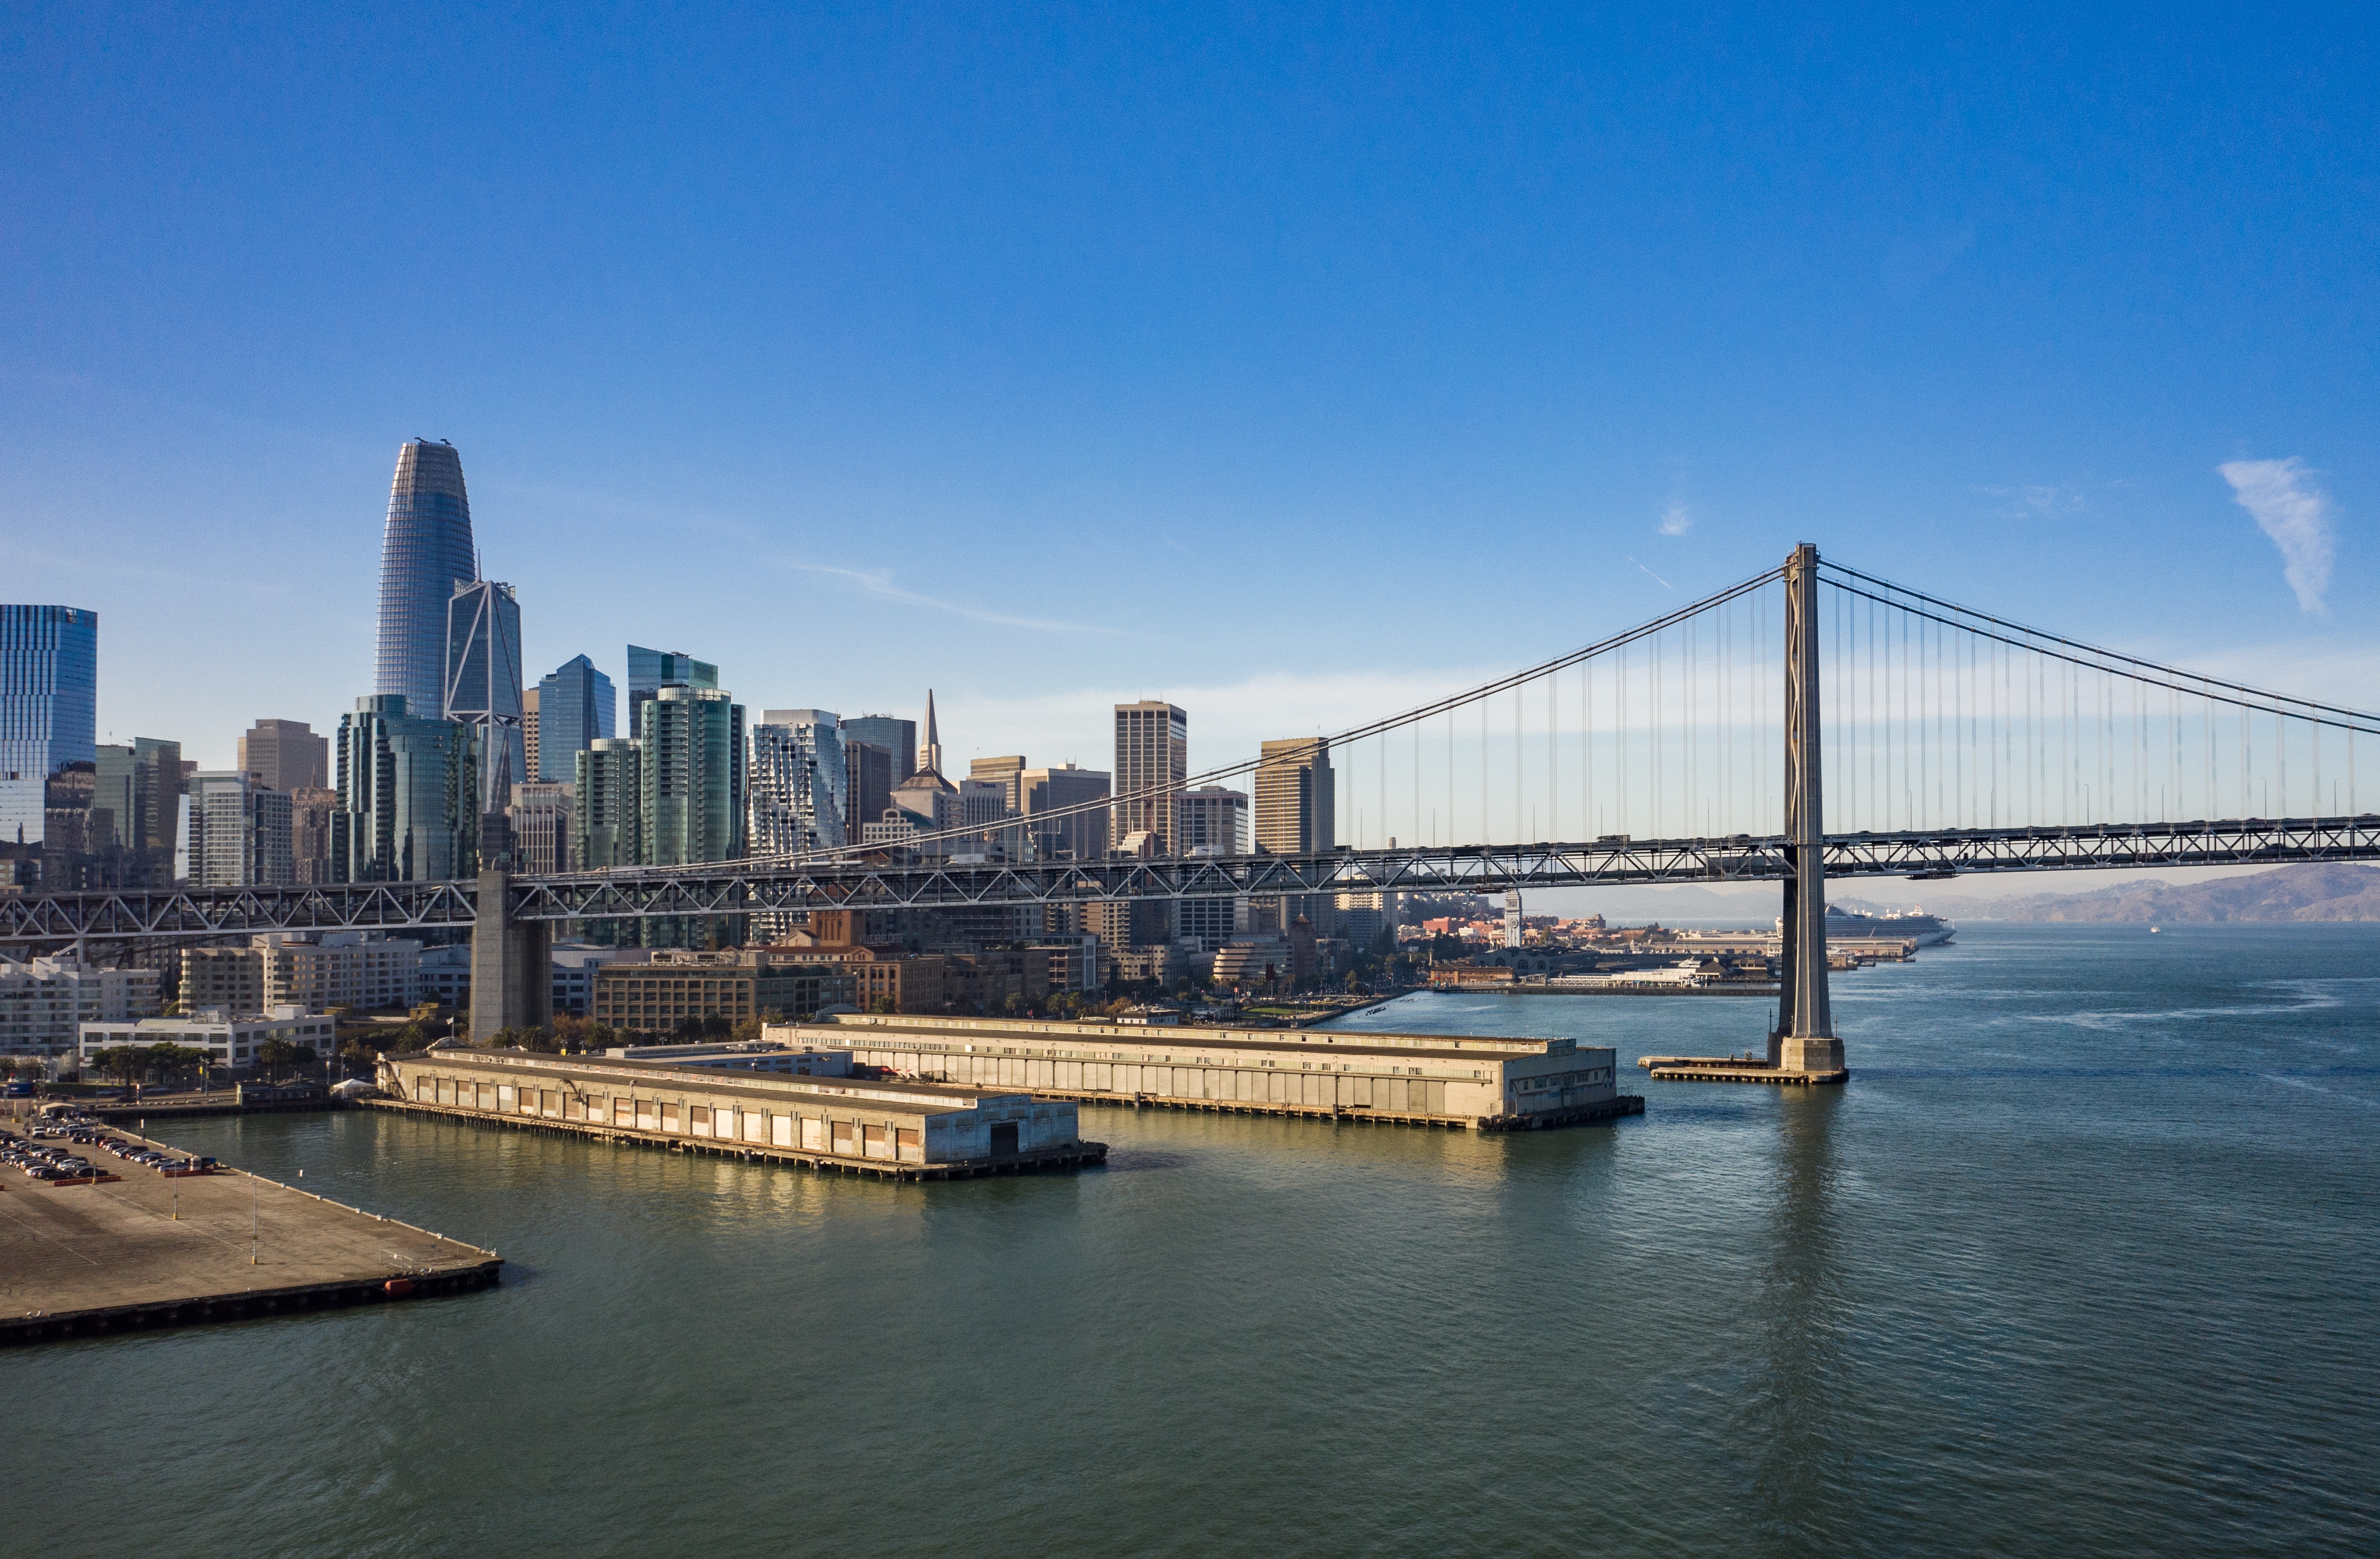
(2082, 1261)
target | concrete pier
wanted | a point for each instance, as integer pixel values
(1462, 1081)
(899, 1129)
(150, 1250)
(1729, 1069)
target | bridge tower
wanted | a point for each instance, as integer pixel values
(512, 965)
(1804, 1037)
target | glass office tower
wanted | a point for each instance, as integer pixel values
(896, 736)
(649, 671)
(425, 552)
(405, 793)
(575, 705)
(49, 689)
(483, 685)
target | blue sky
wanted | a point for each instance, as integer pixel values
(1275, 359)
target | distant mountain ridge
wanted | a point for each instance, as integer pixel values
(2315, 891)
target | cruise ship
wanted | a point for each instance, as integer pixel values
(1914, 925)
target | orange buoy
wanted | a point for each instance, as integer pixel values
(397, 1288)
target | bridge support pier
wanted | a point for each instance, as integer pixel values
(512, 965)
(1804, 1037)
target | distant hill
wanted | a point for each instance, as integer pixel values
(2316, 890)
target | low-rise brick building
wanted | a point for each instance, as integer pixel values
(655, 997)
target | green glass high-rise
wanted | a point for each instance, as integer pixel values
(693, 776)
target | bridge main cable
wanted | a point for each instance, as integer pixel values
(1342, 739)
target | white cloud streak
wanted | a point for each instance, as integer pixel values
(877, 584)
(1677, 519)
(2296, 513)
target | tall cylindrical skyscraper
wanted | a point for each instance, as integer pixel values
(425, 552)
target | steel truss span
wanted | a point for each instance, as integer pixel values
(726, 889)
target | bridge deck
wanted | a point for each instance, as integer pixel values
(738, 888)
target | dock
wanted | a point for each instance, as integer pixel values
(1732, 1068)
(890, 1129)
(144, 1250)
(1071, 1155)
(1480, 1083)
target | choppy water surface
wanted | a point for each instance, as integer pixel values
(2083, 1261)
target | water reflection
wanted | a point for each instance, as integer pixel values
(1794, 1418)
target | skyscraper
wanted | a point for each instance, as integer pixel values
(313, 815)
(425, 552)
(1006, 772)
(799, 787)
(1081, 836)
(1212, 820)
(405, 800)
(544, 816)
(285, 755)
(1152, 759)
(693, 776)
(896, 736)
(240, 831)
(49, 689)
(607, 813)
(867, 785)
(575, 706)
(483, 692)
(157, 787)
(1296, 812)
(693, 803)
(649, 671)
(114, 792)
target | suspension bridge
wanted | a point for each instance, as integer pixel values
(1812, 722)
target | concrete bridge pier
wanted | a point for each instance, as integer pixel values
(512, 965)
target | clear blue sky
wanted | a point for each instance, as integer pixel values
(1055, 355)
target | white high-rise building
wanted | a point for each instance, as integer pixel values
(240, 831)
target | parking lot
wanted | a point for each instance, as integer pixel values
(79, 1151)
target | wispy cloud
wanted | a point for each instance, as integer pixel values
(877, 585)
(2296, 513)
(1677, 519)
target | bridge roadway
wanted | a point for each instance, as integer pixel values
(731, 888)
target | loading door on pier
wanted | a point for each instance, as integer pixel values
(1004, 1140)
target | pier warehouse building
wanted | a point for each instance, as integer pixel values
(1488, 1084)
(911, 1129)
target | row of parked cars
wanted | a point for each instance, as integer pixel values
(41, 1156)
